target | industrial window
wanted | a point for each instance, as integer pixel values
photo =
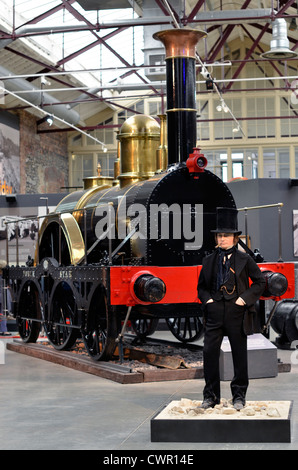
(258, 77)
(245, 163)
(157, 59)
(203, 132)
(283, 159)
(77, 139)
(288, 127)
(105, 134)
(106, 161)
(214, 162)
(276, 163)
(137, 107)
(81, 167)
(258, 108)
(237, 164)
(154, 107)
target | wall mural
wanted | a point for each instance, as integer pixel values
(9, 154)
(22, 224)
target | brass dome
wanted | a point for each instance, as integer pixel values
(139, 139)
(139, 125)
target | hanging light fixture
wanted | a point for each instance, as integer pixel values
(279, 45)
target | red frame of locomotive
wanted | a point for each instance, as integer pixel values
(181, 282)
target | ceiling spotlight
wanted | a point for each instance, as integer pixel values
(236, 129)
(49, 119)
(225, 108)
(219, 108)
(205, 73)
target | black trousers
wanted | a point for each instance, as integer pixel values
(224, 318)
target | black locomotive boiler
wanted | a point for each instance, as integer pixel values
(131, 246)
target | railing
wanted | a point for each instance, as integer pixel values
(279, 205)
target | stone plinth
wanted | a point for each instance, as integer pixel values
(183, 421)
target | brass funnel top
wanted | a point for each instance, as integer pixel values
(180, 42)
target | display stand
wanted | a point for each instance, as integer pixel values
(182, 427)
(261, 356)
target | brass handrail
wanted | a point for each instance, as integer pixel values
(279, 205)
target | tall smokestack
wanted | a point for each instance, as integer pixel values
(180, 45)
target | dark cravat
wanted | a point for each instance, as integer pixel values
(224, 264)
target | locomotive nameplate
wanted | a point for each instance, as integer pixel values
(29, 273)
(65, 274)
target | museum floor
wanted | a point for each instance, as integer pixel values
(45, 406)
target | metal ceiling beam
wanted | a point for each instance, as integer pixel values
(46, 14)
(232, 16)
(194, 11)
(38, 97)
(214, 18)
(37, 30)
(88, 47)
(222, 40)
(248, 55)
(162, 7)
(273, 64)
(79, 17)
(256, 43)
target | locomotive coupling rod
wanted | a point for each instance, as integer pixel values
(119, 339)
(266, 326)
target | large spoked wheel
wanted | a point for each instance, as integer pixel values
(100, 332)
(29, 309)
(63, 312)
(186, 329)
(144, 327)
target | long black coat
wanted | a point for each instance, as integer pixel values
(245, 269)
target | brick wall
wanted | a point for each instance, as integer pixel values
(43, 158)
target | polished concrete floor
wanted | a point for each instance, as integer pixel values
(45, 406)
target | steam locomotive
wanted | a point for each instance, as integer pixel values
(131, 247)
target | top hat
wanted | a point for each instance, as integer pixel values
(226, 220)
